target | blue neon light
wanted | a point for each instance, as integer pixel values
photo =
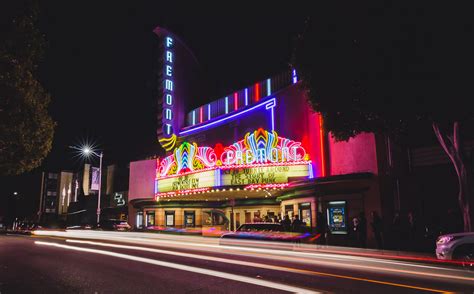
(246, 96)
(267, 103)
(194, 117)
(269, 87)
(209, 111)
(273, 119)
(295, 78)
(310, 171)
(226, 104)
(217, 177)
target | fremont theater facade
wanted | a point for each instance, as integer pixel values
(259, 151)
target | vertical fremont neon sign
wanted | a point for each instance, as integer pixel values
(168, 87)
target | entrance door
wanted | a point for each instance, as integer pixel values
(150, 218)
(289, 211)
(237, 220)
(189, 219)
(248, 217)
(305, 213)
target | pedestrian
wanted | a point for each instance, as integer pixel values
(286, 223)
(413, 232)
(396, 230)
(296, 224)
(355, 231)
(320, 228)
(362, 235)
(377, 229)
(296, 228)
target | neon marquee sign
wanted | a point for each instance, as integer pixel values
(258, 148)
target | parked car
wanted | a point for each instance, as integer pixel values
(458, 246)
(114, 225)
(3, 228)
(265, 232)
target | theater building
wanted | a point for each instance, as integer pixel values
(256, 152)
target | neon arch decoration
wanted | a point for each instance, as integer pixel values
(257, 148)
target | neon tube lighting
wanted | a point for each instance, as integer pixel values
(310, 171)
(246, 96)
(236, 166)
(209, 111)
(264, 186)
(273, 120)
(219, 121)
(321, 140)
(182, 192)
(269, 87)
(236, 101)
(200, 114)
(257, 92)
(226, 104)
(217, 177)
(194, 117)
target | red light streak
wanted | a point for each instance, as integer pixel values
(200, 114)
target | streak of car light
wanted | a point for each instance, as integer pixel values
(228, 276)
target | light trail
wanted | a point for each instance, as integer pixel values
(197, 270)
(253, 264)
(314, 258)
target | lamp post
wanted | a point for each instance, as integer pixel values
(88, 151)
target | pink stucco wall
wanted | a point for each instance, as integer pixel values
(354, 156)
(142, 179)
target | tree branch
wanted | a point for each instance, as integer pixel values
(456, 136)
(443, 144)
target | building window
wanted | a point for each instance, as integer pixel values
(169, 218)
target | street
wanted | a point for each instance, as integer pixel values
(115, 262)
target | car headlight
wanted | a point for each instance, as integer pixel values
(444, 240)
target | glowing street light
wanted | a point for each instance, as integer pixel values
(87, 151)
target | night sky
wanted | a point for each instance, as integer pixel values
(98, 69)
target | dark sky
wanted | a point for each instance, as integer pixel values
(98, 70)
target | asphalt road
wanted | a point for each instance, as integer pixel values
(108, 262)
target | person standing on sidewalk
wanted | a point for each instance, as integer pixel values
(377, 229)
(362, 235)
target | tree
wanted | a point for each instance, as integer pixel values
(26, 129)
(388, 69)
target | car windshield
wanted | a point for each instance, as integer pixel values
(260, 228)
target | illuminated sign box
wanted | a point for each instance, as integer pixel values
(263, 175)
(187, 182)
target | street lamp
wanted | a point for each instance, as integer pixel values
(87, 151)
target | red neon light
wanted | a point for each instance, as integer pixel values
(200, 114)
(321, 142)
(257, 92)
(182, 192)
(266, 186)
(236, 101)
